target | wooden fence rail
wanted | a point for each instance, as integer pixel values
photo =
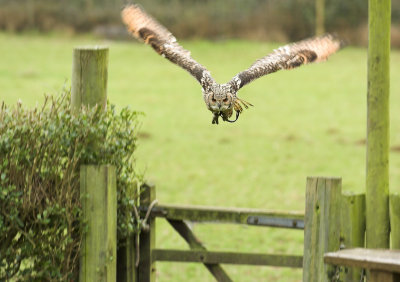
(382, 265)
(208, 257)
(228, 215)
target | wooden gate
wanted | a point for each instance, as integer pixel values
(327, 213)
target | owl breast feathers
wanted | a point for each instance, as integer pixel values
(222, 99)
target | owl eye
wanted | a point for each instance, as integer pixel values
(226, 99)
(213, 99)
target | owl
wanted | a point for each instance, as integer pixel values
(222, 99)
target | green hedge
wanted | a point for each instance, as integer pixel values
(191, 18)
(41, 150)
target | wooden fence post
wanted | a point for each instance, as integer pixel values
(97, 182)
(147, 242)
(353, 228)
(89, 77)
(126, 255)
(99, 205)
(377, 181)
(321, 226)
(395, 220)
(126, 268)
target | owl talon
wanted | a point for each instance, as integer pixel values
(217, 115)
(232, 121)
(215, 118)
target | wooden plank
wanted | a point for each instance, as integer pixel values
(89, 77)
(127, 252)
(377, 177)
(383, 276)
(228, 258)
(99, 207)
(352, 228)
(126, 269)
(227, 215)
(147, 241)
(395, 220)
(377, 259)
(322, 226)
(194, 243)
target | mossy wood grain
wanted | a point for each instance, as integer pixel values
(228, 258)
(353, 229)
(227, 215)
(99, 206)
(383, 276)
(126, 269)
(127, 252)
(98, 188)
(377, 180)
(322, 226)
(89, 77)
(147, 241)
(395, 220)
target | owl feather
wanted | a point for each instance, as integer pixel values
(290, 56)
(144, 27)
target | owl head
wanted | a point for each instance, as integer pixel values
(220, 101)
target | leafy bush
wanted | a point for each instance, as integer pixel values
(41, 150)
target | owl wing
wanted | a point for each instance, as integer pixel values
(290, 56)
(144, 27)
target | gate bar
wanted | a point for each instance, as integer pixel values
(229, 215)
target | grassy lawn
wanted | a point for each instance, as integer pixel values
(306, 122)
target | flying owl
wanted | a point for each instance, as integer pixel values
(222, 99)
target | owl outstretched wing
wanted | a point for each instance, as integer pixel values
(290, 56)
(144, 27)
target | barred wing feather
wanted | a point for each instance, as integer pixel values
(290, 56)
(144, 27)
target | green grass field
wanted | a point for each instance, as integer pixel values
(306, 122)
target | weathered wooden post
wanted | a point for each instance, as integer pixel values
(147, 265)
(319, 17)
(377, 182)
(321, 226)
(97, 182)
(89, 77)
(353, 228)
(99, 205)
(395, 220)
(126, 257)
